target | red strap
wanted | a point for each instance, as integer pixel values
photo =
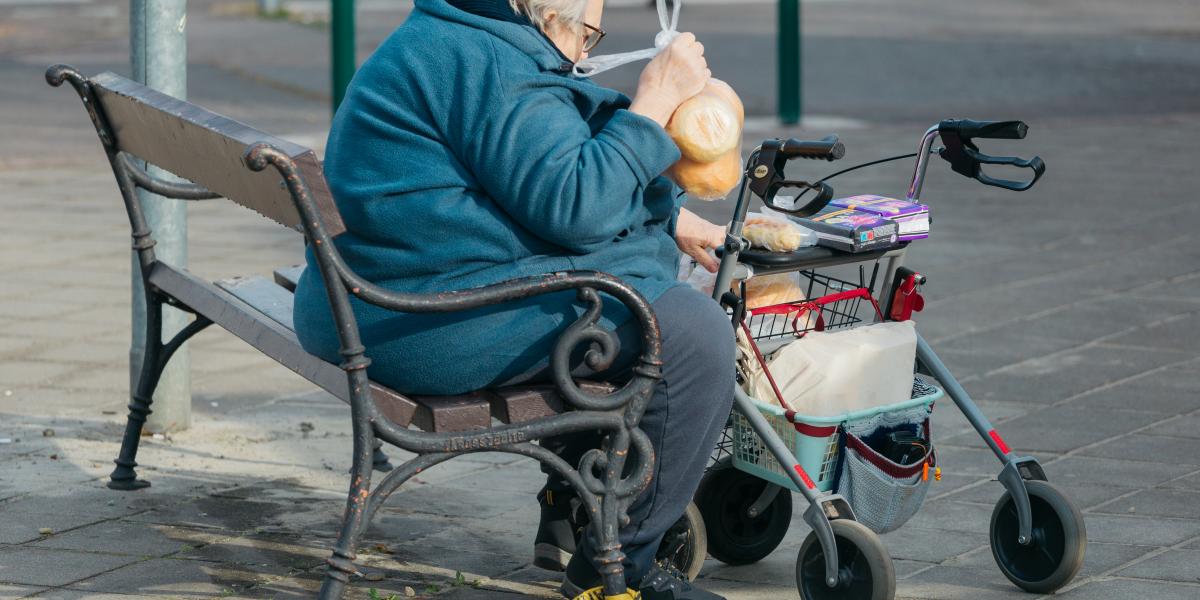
(887, 466)
(762, 362)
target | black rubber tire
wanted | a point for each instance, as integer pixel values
(1059, 540)
(733, 537)
(685, 544)
(865, 569)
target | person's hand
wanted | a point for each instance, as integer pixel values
(695, 237)
(676, 74)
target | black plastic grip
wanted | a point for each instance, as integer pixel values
(966, 159)
(997, 130)
(829, 148)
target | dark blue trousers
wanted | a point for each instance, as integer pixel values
(685, 416)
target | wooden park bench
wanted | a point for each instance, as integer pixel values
(219, 158)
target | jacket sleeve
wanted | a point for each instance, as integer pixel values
(538, 159)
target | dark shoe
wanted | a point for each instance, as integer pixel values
(669, 584)
(555, 540)
(581, 582)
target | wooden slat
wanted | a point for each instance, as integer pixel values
(453, 413)
(270, 337)
(520, 404)
(432, 413)
(288, 277)
(207, 148)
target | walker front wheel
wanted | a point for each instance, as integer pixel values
(1054, 555)
(865, 569)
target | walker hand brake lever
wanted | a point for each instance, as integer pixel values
(966, 159)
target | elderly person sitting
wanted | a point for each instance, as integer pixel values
(467, 153)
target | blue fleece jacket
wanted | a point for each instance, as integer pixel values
(465, 154)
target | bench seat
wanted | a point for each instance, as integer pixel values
(259, 311)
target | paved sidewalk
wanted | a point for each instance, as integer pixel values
(1070, 311)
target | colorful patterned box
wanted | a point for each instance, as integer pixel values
(851, 230)
(912, 218)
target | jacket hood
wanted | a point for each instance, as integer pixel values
(525, 37)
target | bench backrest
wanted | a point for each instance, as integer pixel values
(207, 148)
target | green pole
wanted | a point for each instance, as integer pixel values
(790, 100)
(343, 59)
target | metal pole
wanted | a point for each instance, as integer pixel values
(790, 100)
(268, 8)
(342, 43)
(158, 53)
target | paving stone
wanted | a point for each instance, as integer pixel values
(1124, 589)
(949, 582)
(1092, 320)
(1064, 428)
(1173, 391)
(1139, 530)
(1179, 333)
(981, 352)
(67, 594)
(165, 577)
(1084, 495)
(1183, 427)
(12, 346)
(1150, 449)
(1113, 471)
(19, 526)
(1157, 502)
(24, 565)
(949, 515)
(1067, 374)
(125, 537)
(26, 373)
(1174, 565)
(219, 513)
(1190, 482)
(930, 545)
(1098, 558)
(86, 352)
(289, 553)
(948, 421)
(17, 591)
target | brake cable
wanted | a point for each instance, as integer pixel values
(856, 167)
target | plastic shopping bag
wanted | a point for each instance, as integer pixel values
(667, 20)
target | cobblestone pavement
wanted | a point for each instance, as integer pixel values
(1069, 311)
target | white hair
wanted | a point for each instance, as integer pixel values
(570, 12)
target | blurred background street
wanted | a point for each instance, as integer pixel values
(1069, 311)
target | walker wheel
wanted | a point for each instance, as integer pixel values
(685, 544)
(865, 569)
(1059, 540)
(734, 537)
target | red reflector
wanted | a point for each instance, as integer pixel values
(999, 441)
(808, 482)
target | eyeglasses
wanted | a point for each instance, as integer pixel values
(592, 38)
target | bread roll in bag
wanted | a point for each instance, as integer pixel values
(708, 181)
(706, 126)
(772, 234)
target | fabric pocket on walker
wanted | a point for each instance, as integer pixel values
(884, 494)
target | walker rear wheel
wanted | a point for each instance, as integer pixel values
(1055, 554)
(865, 569)
(685, 544)
(734, 537)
